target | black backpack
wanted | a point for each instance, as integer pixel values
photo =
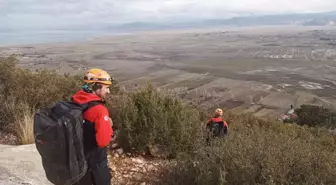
(59, 140)
(217, 129)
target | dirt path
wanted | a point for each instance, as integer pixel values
(21, 165)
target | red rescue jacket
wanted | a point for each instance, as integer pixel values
(217, 120)
(98, 116)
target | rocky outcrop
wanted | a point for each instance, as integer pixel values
(21, 165)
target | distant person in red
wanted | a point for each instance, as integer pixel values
(216, 126)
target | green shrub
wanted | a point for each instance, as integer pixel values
(150, 118)
(255, 154)
(313, 116)
(36, 89)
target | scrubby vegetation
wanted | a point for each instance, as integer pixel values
(260, 152)
(148, 118)
(23, 91)
(312, 115)
(256, 151)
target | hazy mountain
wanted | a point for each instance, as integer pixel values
(309, 19)
(10, 36)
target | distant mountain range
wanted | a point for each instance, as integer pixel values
(10, 36)
(308, 19)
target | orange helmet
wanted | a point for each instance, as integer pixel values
(97, 76)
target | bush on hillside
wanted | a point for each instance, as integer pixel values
(259, 153)
(34, 89)
(148, 118)
(313, 116)
(40, 88)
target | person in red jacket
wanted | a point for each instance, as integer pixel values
(216, 126)
(97, 128)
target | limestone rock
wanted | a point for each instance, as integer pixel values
(21, 165)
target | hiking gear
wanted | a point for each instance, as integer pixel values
(58, 136)
(98, 131)
(86, 88)
(216, 127)
(97, 126)
(218, 120)
(98, 175)
(97, 76)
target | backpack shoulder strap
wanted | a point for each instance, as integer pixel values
(88, 105)
(92, 104)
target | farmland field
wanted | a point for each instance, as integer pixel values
(256, 69)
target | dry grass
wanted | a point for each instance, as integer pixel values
(22, 117)
(25, 127)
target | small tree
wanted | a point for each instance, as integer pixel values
(151, 118)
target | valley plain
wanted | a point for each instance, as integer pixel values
(262, 70)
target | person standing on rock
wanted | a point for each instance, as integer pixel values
(97, 129)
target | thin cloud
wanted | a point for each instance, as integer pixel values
(42, 14)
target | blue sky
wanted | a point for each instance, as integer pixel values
(50, 14)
